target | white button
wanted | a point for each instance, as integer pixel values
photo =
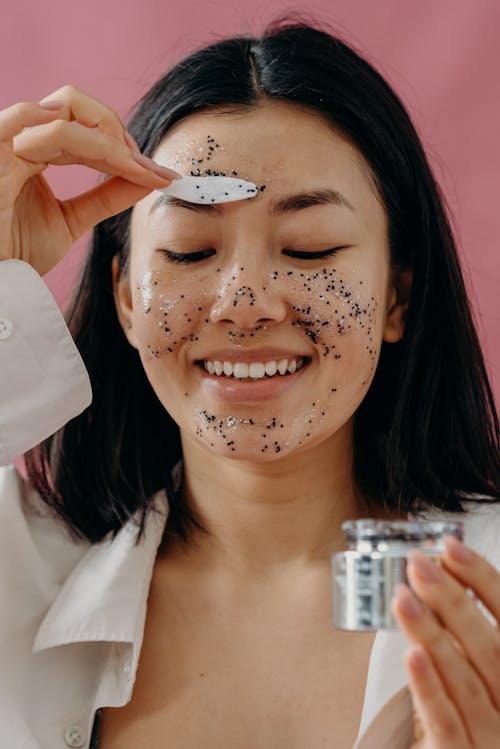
(127, 669)
(6, 327)
(75, 736)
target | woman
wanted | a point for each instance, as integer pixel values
(272, 366)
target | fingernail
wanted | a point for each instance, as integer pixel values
(133, 145)
(407, 602)
(425, 568)
(53, 104)
(161, 171)
(457, 550)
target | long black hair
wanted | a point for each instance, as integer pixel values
(427, 431)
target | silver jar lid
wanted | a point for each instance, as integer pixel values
(368, 534)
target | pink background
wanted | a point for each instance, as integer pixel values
(443, 58)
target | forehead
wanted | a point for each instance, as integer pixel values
(285, 150)
(273, 140)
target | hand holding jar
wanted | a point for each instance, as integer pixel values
(454, 663)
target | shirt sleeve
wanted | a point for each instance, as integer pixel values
(43, 380)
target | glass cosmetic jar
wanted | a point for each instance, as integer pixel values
(365, 577)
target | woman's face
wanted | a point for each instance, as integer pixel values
(259, 323)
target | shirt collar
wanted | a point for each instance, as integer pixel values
(104, 597)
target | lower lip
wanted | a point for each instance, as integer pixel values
(244, 391)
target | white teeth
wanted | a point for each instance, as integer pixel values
(271, 368)
(240, 370)
(256, 370)
(253, 370)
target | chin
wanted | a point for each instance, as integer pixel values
(275, 446)
(252, 456)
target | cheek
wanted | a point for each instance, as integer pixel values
(339, 316)
(167, 313)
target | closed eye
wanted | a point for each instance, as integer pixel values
(303, 255)
(193, 257)
(187, 257)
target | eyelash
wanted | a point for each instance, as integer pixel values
(187, 257)
(193, 257)
(311, 255)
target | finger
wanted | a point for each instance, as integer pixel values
(113, 196)
(475, 572)
(13, 172)
(456, 610)
(131, 142)
(21, 115)
(460, 680)
(63, 143)
(440, 720)
(89, 111)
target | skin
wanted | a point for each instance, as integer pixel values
(310, 477)
(273, 515)
(267, 524)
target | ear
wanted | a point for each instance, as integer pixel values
(123, 302)
(397, 305)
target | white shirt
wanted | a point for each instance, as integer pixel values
(72, 613)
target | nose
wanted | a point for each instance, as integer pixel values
(249, 296)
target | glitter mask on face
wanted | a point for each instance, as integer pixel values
(326, 310)
(327, 317)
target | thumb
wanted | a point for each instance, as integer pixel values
(114, 195)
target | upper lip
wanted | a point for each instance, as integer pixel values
(256, 355)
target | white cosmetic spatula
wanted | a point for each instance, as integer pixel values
(210, 189)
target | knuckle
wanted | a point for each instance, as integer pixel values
(434, 640)
(21, 108)
(457, 600)
(111, 124)
(67, 91)
(55, 136)
(473, 690)
(64, 92)
(58, 129)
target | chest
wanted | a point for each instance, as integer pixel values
(248, 677)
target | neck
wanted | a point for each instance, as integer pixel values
(269, 515)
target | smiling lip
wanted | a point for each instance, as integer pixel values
(250, 391)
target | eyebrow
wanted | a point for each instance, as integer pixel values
(288, 204)
(298, 202)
